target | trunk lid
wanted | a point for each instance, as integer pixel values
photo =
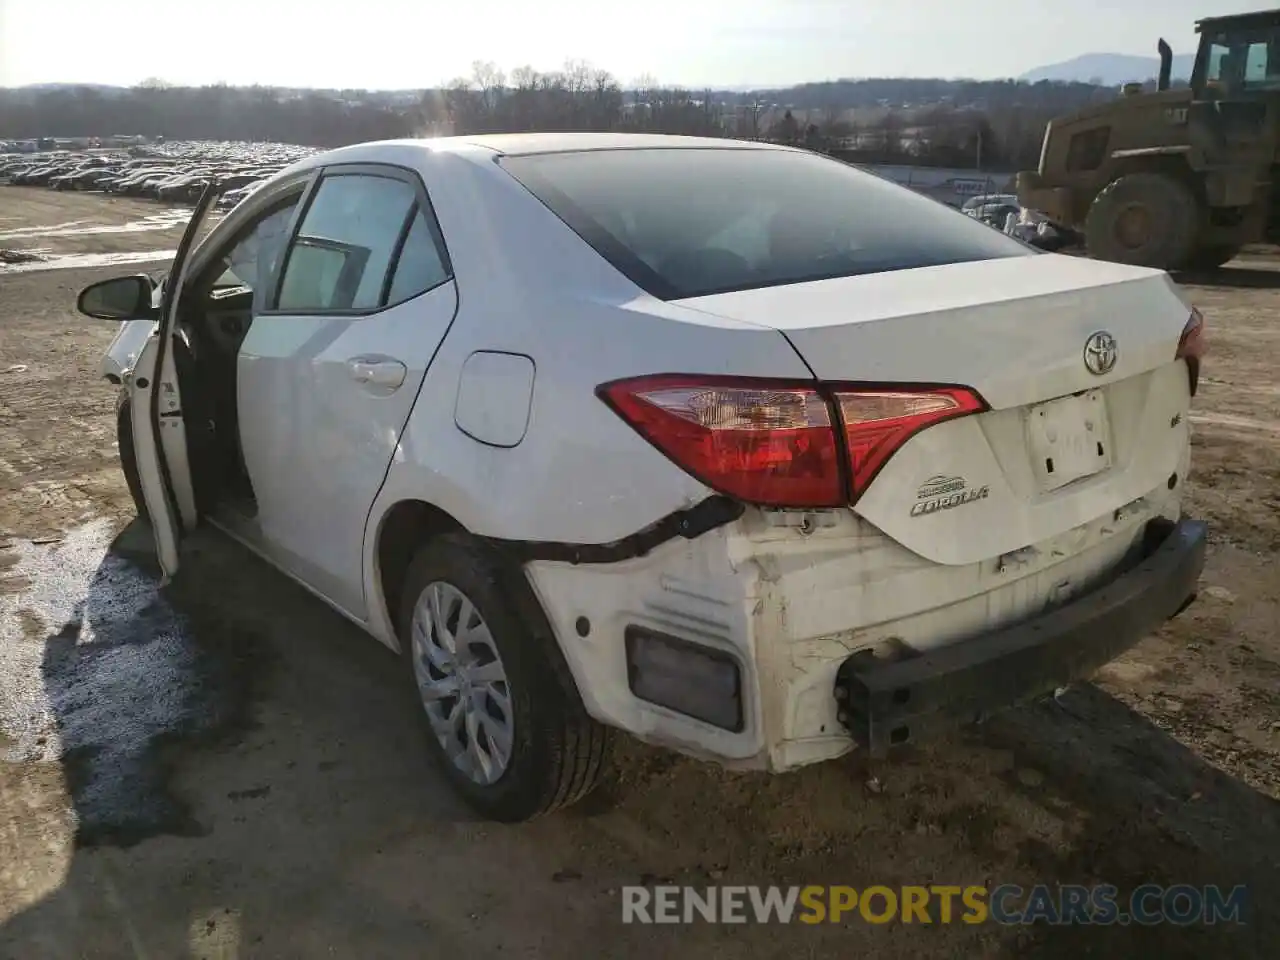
(1062, 444)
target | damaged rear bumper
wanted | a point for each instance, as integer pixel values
(886, 704)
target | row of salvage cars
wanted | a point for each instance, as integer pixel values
(177, 174)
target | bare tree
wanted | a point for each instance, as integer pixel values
(489, 82)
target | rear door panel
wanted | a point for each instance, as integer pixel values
(325, 387)
(317, 441)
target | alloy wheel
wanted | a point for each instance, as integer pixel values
(462, 683)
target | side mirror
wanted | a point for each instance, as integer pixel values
(121, 299)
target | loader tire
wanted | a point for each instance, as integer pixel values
(1212, 257)
(1144, 219)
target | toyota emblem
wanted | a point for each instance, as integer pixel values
(1100, 353)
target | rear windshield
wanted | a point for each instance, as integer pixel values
(687, 222)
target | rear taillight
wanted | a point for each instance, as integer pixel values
(1192, 346)
(759, 441)
(878, 422)
(775, 443)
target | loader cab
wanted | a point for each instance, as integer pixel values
(1238, 57)
(1236, 88)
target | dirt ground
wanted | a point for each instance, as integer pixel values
(225, 768)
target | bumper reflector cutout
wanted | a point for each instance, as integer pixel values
(698, 681)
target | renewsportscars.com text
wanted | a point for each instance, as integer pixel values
(1065, 904)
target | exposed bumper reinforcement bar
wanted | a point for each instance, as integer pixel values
(888, 704)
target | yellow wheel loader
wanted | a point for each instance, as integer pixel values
(1175, 178)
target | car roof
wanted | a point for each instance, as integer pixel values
(529, 144)
(526, 144)
(486, 147)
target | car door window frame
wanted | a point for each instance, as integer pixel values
(294, 191)
(265, 203)
(420, 207)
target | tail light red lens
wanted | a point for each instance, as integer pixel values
(775, 443)
(1192, 346)
(879, 422)
(758, 441)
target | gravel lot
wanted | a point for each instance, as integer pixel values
(225, 768)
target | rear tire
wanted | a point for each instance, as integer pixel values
(513, 737)
(1212, 257)
(1145, 219)
(128, 463)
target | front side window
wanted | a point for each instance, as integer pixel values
(692, 222)
(251, 262)
(345, 244)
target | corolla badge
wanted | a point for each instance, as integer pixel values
(1100, 353)
(945, 493)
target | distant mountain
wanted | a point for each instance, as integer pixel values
(1109, 69)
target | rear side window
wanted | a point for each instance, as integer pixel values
(685, 222)
(420, 265)
(345, 245)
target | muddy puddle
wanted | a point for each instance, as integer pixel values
(75, 261)
(21, 250)
(167, 220)
(99, 672)
(8, 257)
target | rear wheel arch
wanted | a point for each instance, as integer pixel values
(409, 525)
(402, 530)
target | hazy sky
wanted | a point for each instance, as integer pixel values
(418, 43)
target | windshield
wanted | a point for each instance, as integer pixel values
(1243, 59)
(691, 222)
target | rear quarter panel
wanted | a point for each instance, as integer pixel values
(528, 285)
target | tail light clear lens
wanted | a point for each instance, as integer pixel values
(762, 442)
(879, 422)
(1192, 346)
(775, 443)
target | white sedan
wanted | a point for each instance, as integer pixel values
(730, 446)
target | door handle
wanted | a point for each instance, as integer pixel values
(377, 371)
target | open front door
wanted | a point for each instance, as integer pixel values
(159, 436)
